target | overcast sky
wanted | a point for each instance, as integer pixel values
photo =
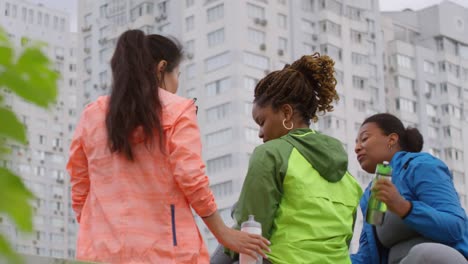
(71, 7)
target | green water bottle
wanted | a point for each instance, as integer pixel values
(375, 208)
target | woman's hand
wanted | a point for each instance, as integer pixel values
(244, 243)
(386, 192)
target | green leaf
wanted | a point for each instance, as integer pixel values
(32, 56)
(14, 200)
(11, 127)
(8, 252)
(6, 56)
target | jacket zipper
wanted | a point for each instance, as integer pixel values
(174, 237)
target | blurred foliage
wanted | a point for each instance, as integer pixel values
(30, 75)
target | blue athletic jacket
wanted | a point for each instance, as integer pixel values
(426, 182)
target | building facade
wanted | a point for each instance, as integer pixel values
(41, 163)
(426, 79)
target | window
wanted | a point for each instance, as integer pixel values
(429, 67)
(406, 105)
(141, 10)
(103, 78)
(458, 178)
(359, 59)
(217, 61)
(42, 139)
(189, 23)
(282, 23)
(359, 82)
(360, 105)
(339, 76)
(215, 13)
(7, 9)
(453, 154)
(443, 88)
(307, 25)
(308, 5)
(24, 14)
(257, 61)
(251, 135)
(432, 132)
(219, 137)
(451, 110)
(219, 164)
(31, 16)
(404, 83)
(250, 83)
(57, 142)
(256, 36)
(221, 190)
(254, 11)
(104, 55)
(218, 112)
(190, 47)
(330, 27)
(216, 37)
(356, 36)
(62, 24)
(189, 3)
(353, 13)
(46, 20)
(435, 152)
(332, 51)
(57, 238)
(429, 89)
(13, 11)
(282, 44)
(56, 23)
(431, 110)
(332, 5)
(191, 71)
(404, 61)
(217, 87)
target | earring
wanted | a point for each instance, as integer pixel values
(288, 128)
(390, 147)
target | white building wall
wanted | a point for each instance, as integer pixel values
(41, 163)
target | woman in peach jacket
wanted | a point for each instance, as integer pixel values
(136, 168)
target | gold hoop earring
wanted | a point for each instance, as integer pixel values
(288, 128)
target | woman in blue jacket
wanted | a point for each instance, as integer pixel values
(425, 222)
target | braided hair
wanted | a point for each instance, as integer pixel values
(308, 85)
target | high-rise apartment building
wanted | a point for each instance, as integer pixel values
(41, 162)
(426, 80)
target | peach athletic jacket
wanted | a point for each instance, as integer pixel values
(139, 212)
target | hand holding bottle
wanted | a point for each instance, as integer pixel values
(386, 192)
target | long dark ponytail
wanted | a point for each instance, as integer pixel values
(134, 100)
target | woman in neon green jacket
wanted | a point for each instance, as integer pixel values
(297, 184)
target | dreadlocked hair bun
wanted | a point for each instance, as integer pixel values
(308, 85)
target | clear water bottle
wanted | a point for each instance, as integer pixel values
(375, 208)
(252, 227)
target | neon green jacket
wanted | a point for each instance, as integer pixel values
(299, 189)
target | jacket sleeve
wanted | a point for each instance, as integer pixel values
(363, 255)
(262, 191)
(436, 212)
(77, 168)
(187, 164)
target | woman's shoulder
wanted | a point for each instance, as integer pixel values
(423, 163)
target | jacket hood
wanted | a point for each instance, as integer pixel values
(324, 153)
